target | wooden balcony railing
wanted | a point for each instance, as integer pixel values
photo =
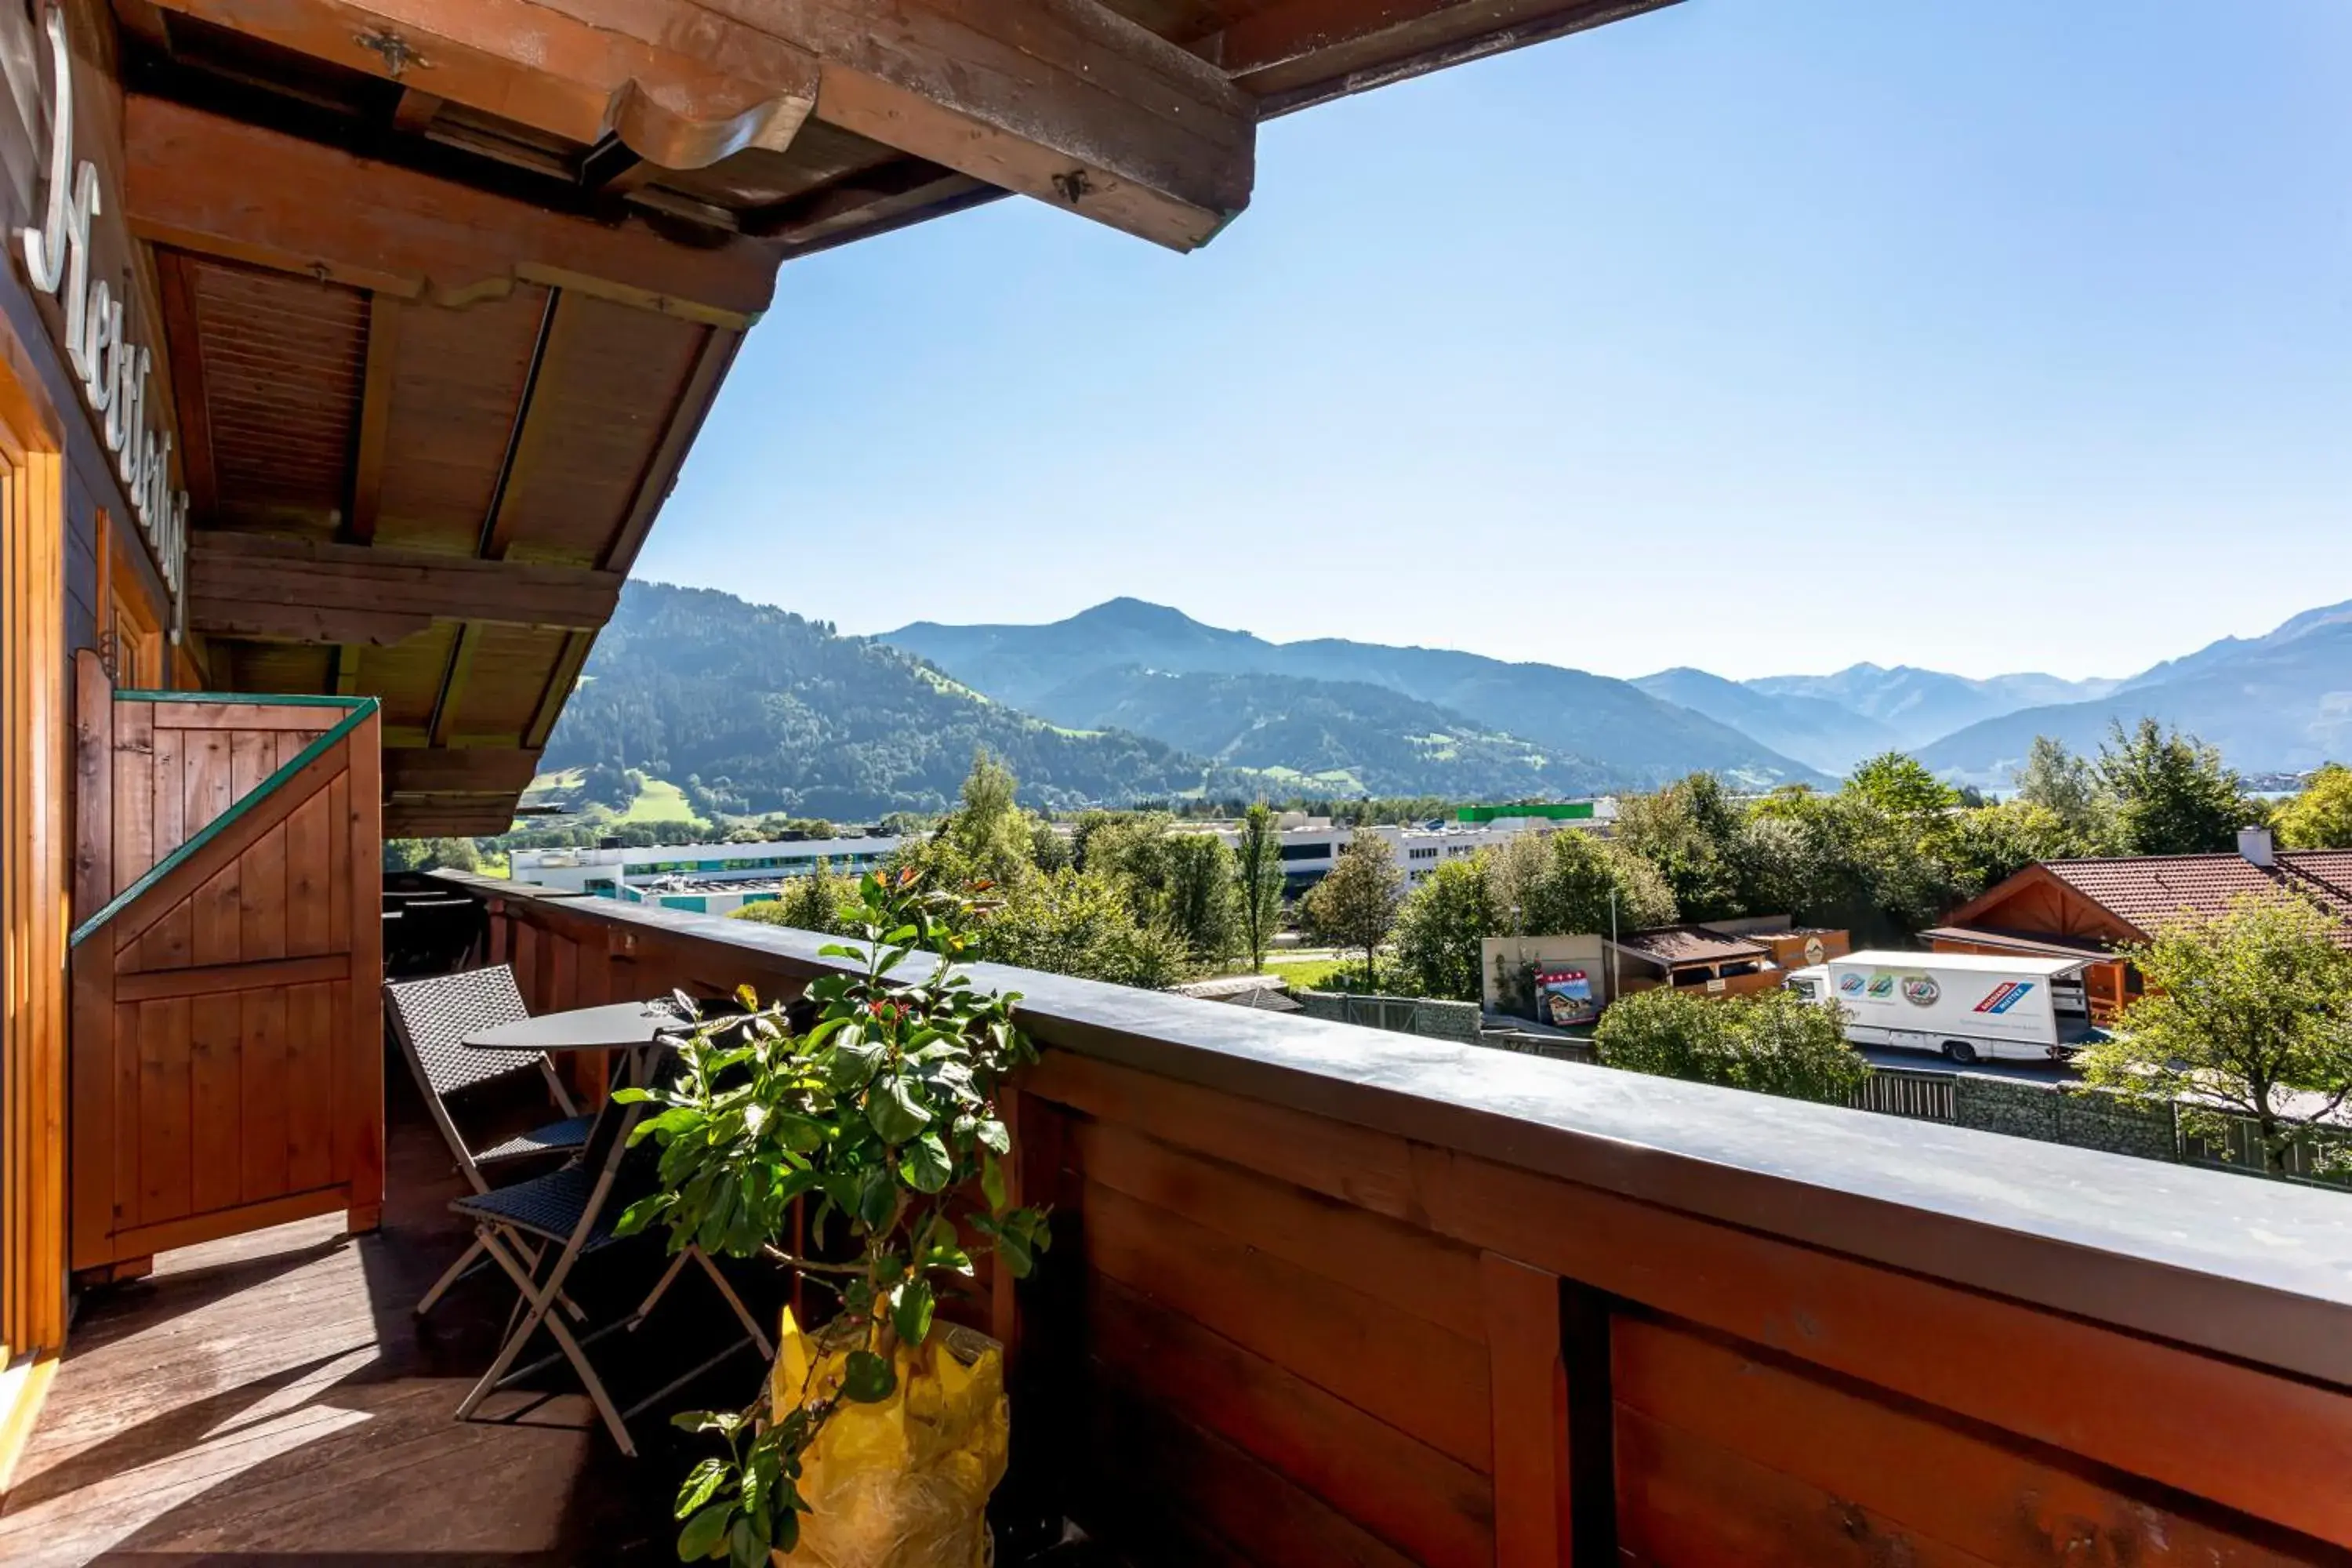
(1320, 1294)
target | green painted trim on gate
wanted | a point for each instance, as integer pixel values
(269, 699)
(219, 825)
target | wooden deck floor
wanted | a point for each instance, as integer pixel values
(273, 1399)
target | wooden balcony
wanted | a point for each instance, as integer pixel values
(1326, 1295)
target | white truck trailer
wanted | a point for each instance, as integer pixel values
(1966, 1005)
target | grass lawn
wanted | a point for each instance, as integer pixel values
(1314, 974)
(659, 801)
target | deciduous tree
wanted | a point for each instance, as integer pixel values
(1257, 882)
(2321, 816)
(1355, 904)
(2248, 1012)
(1773, 1043)
(1440, 927)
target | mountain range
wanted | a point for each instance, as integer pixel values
(756, 709)
(1601, 734)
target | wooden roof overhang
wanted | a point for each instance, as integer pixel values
(448, 285)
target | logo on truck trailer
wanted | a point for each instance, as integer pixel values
(2004, 997)
(1921, 989)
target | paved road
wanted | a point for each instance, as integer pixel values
(1932, 1061)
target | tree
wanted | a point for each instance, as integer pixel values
(431, 855)
(2171, 793)
(1901, 785)
(1257, 882)
(1356, 903)
(2061, 783)
(1195, 900)
(2249, 1012)
(1440, 927)
(2321, 816)
(1048, 849)
(1773, 1043)
(1688, 831)
(988, 830)
(823, 901)
(1078, 922)
(1561, 883)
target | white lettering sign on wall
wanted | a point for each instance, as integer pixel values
(112, 369)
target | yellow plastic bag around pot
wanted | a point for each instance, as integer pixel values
(903, 1483)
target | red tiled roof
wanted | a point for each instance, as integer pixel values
(2150, 891)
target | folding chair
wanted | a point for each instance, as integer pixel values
(573, 1211)
(431, 1019)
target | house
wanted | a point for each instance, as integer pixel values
(2069, 908)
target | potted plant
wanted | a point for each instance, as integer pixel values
(882, 1116)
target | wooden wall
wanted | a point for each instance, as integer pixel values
(1267, 1336)
(228, 1061)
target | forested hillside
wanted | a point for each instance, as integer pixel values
(1344, 734)
(755, 709)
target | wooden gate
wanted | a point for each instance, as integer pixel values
(227, 1065)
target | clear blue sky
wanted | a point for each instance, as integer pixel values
(1762, 336)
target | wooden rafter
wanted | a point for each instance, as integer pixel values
(185, 355)
(469, 770)
(1061, 100)
(686, 417)
(219, 186)
(251, 586)
(375, 420)
(444, 725)
(568, 665)
(1296, 53)
(570, 75)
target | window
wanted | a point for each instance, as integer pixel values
(130, 627)
(1307, 852)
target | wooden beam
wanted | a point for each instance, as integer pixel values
(375, 420)
(1062, 99)
(215, 185)
(188, 366)
(686, 417)
(561, 335)
(453, 685)
(439, 816)
(566, 74)
(293, 590)
(560, 681)
(467, 770)
(862, 203)
(415, 112)
(1296, 53)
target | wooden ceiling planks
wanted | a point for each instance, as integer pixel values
(283, 360)
(608, 381)
(458, 378)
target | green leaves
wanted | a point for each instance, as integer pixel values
(894, 1111)
(911, 1311)
(869, 1378)
(925, 1165)
(705, 1534)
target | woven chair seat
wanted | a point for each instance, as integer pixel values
(549, 1206)
(565, 1137)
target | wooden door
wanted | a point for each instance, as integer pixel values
(228, 1061)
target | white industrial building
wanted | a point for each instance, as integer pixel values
(1311, 844)
(707, 878)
